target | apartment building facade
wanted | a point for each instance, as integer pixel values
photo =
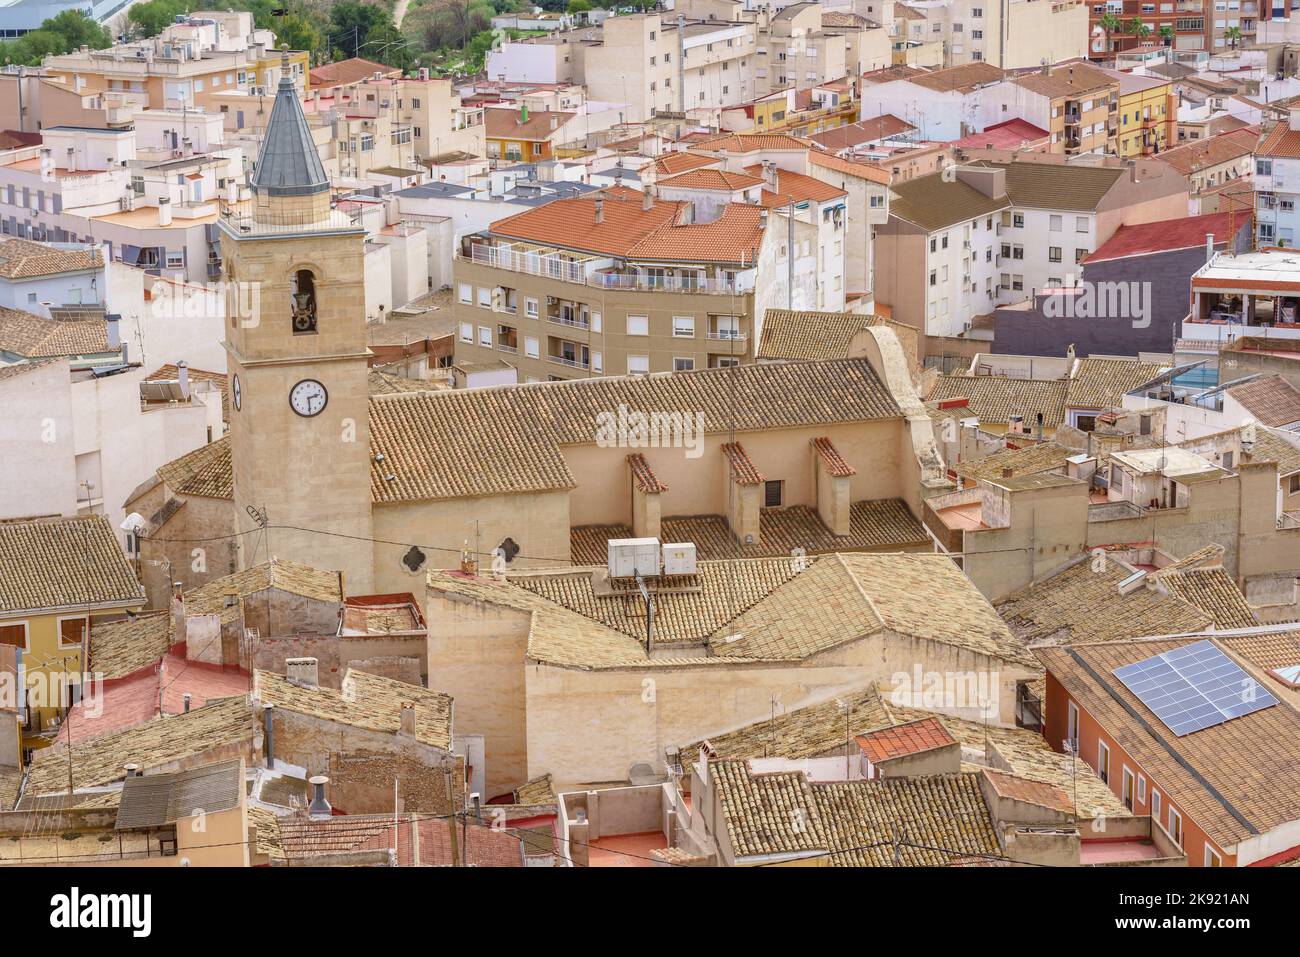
(1277, 185)
(614, 284)
(210, 53)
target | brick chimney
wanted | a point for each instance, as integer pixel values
(600, 209)
(406, 728)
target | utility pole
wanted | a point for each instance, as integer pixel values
(451, 821)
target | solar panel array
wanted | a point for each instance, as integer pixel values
(1194, 687)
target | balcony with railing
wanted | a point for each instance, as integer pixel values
(602, 272)
(572, 354)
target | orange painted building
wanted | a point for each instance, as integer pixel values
(1227, 794)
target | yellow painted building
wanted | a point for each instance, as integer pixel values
(1148, 115)
(57, 577)
(266, 71)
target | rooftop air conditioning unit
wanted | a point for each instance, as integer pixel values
(679, 558)
(631, 556)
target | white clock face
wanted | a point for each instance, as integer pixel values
(238, 392)
(308, 398)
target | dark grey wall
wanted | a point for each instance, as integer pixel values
(1030, 332)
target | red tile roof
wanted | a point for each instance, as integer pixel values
(507, 124)
(1031, 792)
(630, 231)
(1271, 399)
(798, 187)
(904, 739)
(830, 455)
(348, 71)
(133, 700)
(743, 471)
(303, 838)
(865, 131)
(673, 163)
(644, 476)
(1164, 236)
(1013, 134)
(712, 178)
(1281, 141)
(868, 171)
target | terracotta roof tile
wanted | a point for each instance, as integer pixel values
(35, 337)
(901, 740)
(24, 259)
(743, 471)
(994, 399)
(206, 472)
(710, 178)
(63, 563)
(506, 124)
(644, 476)
(1102, 383)
(1271, 399)
(796, 186)
(964, 78)
(831, 458)
(364, 701)
(671, 164)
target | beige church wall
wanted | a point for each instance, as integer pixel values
(538, 523)
(604, 496)
(477, 655)
(592, 726)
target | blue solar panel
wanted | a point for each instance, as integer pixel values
(1193, 687)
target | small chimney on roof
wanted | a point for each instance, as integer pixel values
(555, 121)
(1209, 247)
(319, 807)
(600, 208)
(406, 726)
(1008, 471)
(183, 377)
(268, 713)
(132, 770)
(647, 200)
(186, 698)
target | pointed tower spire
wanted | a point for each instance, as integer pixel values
(289, 165)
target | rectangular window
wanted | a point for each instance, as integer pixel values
(72, 631)
(1054, 254)
(597, 362)
(1176, 827)
(772, 493)
(466, 293)
(1212, 858)
(1081, 224)
(1018, 220)
(530, 308)
(1072, 728)
(638, 365)
(1142, 790)
(683, 364)
(485, 297)
(467, 332)
(530, 346)
(684, 327)
(1155, 805)
(1103, 761)
(485, 336)
(1128, 785)
(638, 326)
(14, 633)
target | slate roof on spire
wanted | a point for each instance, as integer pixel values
(289, 164)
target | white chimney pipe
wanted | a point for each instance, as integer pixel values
(164, 211)
(1209, 246)
(183, 374)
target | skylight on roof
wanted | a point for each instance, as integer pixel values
(1194, 687)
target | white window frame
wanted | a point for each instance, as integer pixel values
(690, 359)
(532, 347)
(635, 323)
(58, 630)
(677, 334)
(466, 294)
(530, 308)
(1155, 805)
(1103, 766)
(27, 633)
(1175, 815)
(1128, 783)
(485, 297)
(467, 332)
(1210, 852)
(485, 336)
(635, 371)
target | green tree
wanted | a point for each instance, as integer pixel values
(1233, 36)
(1110, 25)
(299, 32)
(1167, 35)
(78, 30)
(350, 25)
(578, 6)
(149, 19)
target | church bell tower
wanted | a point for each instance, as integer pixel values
(297, 360)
